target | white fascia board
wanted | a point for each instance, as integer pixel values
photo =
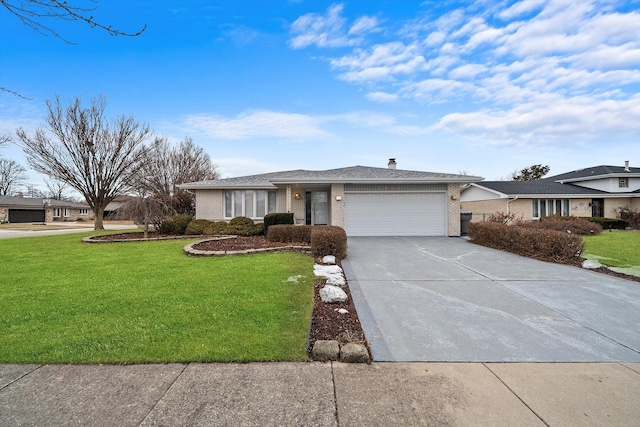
(605, 176)
(489, 190)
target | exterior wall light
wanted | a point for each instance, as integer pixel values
(338, 198)
(296, 196)
(455, 197)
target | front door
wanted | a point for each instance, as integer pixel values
(597, 207)
(319, 208)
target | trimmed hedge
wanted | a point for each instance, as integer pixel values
(328, 240)
(565, 224)
(197, 226)
(277, 219)
(215, 228)
(610, 223)
(545, 245)
(176, 225)
(289, 233)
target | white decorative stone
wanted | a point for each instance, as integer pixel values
(342, 311)
(332, 294)
(326, 270)
(333, 274)
(329, 259)
(336, 280)
(591, 264)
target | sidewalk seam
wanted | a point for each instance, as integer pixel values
(164, 394)
(516, 395)
(21, 377)
(335, 396)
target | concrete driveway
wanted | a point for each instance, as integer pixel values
(446, 299)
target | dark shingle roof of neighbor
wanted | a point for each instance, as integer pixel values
(536, 187)
(29, 202)
(593, 172)
(554, 185)
(349, 174)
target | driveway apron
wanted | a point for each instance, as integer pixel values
(446, 299)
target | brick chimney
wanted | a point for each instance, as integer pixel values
(392, 163)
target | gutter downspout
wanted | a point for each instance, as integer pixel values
(509, 204)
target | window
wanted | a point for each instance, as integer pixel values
(249, 203)
(548, 207)
(623, 182)
(56, 213)
(66, 213)
(84, 211)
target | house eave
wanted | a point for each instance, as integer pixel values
(434, 180)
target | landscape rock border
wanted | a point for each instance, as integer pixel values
(191, 251)
(97, 239)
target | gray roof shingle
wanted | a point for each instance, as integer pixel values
(349, 174)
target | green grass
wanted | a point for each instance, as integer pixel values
(614, 248)
(62, 301)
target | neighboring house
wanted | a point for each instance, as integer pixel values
(111, 209)
(17, 209)
(592, 192)
(366, 201)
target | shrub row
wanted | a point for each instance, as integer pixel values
(324, 239)
(276, 219)
(289, 233)
(610, 223)
(183, 224)
(566, 224)
(176, 225)
(546, 245)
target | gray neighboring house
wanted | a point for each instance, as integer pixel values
(18, 209)
(591, 192)
(365, 201)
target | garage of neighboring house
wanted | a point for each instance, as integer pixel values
(26, 215)
(396, 209)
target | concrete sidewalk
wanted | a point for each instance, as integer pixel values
(322, 394)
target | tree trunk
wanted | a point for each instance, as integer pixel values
(98, 223)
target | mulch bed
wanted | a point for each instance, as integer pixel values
(242, 243)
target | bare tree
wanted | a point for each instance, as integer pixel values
(57, 188)
(169, 166)
(12, 175)
(532, 173)
(97, 157)
(145, 211)
(33, 14)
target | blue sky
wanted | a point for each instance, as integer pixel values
(484, 87)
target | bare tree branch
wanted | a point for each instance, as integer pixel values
(96, 157)
(32, 13)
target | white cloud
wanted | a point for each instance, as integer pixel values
(269, 124)
(381, 62)
(567, 121)
(382, 97)
(520, 8)
(241, 166)
(330, 29)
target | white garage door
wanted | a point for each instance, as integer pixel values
(395, 214)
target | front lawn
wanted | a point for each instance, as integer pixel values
(63, 301)
(614, 248)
